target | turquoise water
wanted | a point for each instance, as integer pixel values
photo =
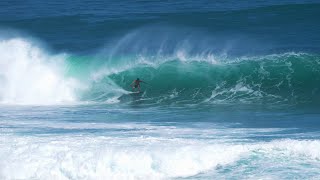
(233, 90)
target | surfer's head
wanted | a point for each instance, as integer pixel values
(138, 79)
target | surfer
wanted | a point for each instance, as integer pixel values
(136, 84)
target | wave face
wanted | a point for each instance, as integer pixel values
(288, 78)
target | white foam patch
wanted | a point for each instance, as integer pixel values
(306, 148)
(144, 157)
(110, 158)
(30, 76)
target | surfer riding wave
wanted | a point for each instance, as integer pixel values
(136, 84)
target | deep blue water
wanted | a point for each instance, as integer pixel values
(86, 26)
(233, 89)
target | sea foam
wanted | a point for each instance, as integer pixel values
(29, 75)
(140, 157)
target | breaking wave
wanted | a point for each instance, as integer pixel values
(30, 75)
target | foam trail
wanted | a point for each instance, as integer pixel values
(28, 75)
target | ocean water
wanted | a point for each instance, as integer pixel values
(233, 89)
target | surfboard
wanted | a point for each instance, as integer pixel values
(135, 92)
